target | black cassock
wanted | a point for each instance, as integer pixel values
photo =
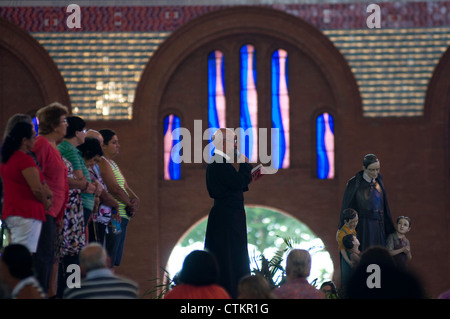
(226, 231)
(374, 217)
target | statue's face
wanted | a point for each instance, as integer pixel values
(373, 169)
(352, 223)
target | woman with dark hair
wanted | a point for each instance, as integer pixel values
(91, 151)
(74, 137)
(26, 196)
(16, 270)
(199, 279)
(120, 190)
(72, 237)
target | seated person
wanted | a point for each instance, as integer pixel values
(198, 279)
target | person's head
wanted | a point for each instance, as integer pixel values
(93, 256)
(13, 120)
(403, 224)
(328, 287)
(350, 241)
(298, 264)
(22, 134)
(350, 217)
(377, 255)
(199, 269)
(52, 120)
(225, 140)
(15, 263)
(76, 129)
(110, 144)
(95, 134)
(377, 277)
(371, 165)
(254, 287)
(91, 151)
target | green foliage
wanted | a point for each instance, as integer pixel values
(273, 234)
(159, 287)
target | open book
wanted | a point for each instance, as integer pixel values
(257, 172)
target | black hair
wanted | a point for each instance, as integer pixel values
(74, 124)
(13, 140)
(90, 148)
(199, 269)
(331, 284)
(369, 159)
(349, 213)
(18, 259)
(347, 241)
(107, 135)
(395, 282)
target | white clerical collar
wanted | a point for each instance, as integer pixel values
(368, 179)
(219, 152)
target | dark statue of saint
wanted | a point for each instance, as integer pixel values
(365, 193)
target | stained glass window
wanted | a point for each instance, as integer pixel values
(216, 93)
(280, 109)
(325, 146)
(172, 169)
(249, 102)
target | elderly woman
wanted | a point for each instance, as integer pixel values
(26, 196)
(119, 189)
(298, 267)
(52, 128)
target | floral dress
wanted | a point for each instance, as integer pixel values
(72, 237)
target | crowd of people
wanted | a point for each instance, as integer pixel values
(62, 191)
(66, 202)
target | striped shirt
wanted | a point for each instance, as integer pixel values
(120, 179)
(73, 155)
(103, 284)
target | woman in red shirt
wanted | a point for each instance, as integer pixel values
(52, 128)
(198, 278)
(26, 195)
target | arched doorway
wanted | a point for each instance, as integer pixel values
(175, 81)
(271, 234)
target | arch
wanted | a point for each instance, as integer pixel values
(172, 68)
(237, 21)
(322, 264)
(437, 113)
(26, 66)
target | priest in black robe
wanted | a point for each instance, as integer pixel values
(226, 231)
(365, 193)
